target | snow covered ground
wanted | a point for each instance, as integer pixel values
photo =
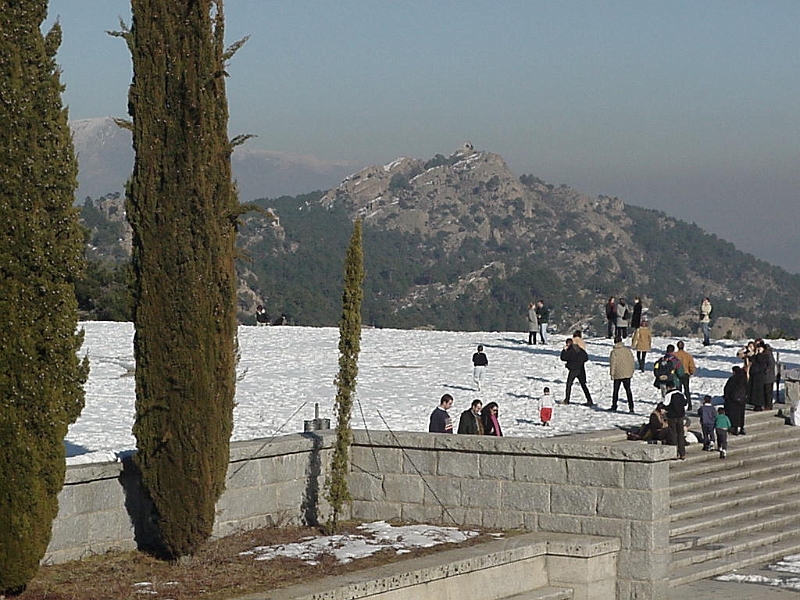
(284, 371)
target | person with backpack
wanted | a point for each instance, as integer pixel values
(575, 359)
(668, 369)
(675, 404)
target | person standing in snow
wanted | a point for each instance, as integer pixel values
(575, 359)
(262, 319)
(533, 323)
(642, 343)
(470, 422)
(705, 320)
(621, 366)
(479, 364)
(440, 421)
(623, 315)
(543, 316)
(611, 316)
(636, 318)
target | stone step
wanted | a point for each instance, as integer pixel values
(731, 530)
(731, 503)
(750, 543)
(725, 491)
(700, 517)
(736, 467)
(544, 593)
(730, 562)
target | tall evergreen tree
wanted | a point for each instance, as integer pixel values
(182, 207)
(41, 254)
(349, 348)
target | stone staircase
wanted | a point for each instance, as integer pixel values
(737, 512)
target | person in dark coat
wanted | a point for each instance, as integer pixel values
(735, 395)
(489, 416)
(769, 375)
(756, 375)
(636, 318)
(440, 421)
(676, 416)
(470, 421)
(611, 316)
(575, 359)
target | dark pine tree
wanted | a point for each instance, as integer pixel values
(182, 207)
(41, 255)
(349, 348)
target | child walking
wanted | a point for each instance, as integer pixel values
(722, 424)
(708, 418)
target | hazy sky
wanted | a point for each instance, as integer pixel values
(691, 107)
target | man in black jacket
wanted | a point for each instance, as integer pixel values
(575, 358)
(676, 413)
(470, 421)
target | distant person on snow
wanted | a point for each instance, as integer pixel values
(533, 323)
(705, 320)
(543, 316)
(611, 316)
(479, 364)
(636, 318)
(546, 407)
(642, 342)
(262, 318)
(623, 316)
(440, 421)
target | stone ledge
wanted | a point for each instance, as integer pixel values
(515, 552)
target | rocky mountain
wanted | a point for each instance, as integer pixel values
(461, 242)
(105, 159)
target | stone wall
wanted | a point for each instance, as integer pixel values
(566, 484)
(570, 484)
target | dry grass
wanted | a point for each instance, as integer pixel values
(216, 572)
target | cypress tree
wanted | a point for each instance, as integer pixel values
(41, 255)
(349, 348)
(182, 207)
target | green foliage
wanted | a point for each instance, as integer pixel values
(41, 254)
(183, 210)
(349, 348)
(104, 292)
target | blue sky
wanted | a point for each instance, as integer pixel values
(688, 107)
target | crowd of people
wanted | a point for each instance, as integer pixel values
(752, 382)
